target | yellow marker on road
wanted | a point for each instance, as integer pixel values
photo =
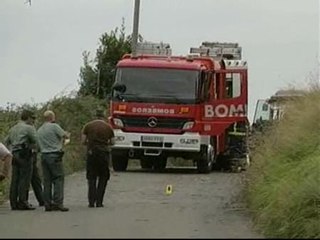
(169, 189)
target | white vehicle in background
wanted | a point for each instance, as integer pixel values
(273, 109)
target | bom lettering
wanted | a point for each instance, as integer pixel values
(223, 110)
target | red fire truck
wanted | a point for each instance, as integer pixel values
(193, 106)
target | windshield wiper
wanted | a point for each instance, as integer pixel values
(176, 100)
(146, 98)
(132, 96)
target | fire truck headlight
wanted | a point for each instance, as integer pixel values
(189, 141)
(188, 125)
(119, 138)
(118, 122)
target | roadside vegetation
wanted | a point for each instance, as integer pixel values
(283, 185)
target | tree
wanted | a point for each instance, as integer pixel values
(97, 80)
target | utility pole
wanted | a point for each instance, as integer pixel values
(135, 31)
(99, 71)
(98, 81)
(29, 2)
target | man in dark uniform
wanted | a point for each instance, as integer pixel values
(98, 136)
(36, 181)
(22, 139)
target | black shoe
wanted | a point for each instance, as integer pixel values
(60, 208)
(41, 204)
(99, 205)
(47, 208)
(30, 205)
(27, 207)
(24, 206)
(91, 205)
(16, 206)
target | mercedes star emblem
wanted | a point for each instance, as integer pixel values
(152, 122)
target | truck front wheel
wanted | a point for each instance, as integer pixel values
(205, 159)
(119, 161)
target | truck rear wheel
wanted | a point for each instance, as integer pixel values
(205, 159)
(119, 161)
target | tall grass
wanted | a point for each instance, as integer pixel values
(283, 186)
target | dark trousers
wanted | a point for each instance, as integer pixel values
(21, 178)
(36, 181)
(98, 174)
(53, 179)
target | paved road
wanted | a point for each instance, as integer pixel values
(136, 206)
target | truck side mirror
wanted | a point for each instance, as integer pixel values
(119, 87)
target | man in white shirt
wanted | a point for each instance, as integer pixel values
(6, 157)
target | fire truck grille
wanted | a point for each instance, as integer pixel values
(151, 122)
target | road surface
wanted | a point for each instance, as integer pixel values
(137, 206)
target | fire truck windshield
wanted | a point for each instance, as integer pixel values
(157, 84)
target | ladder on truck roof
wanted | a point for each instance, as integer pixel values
(218, 50)
(162, 49)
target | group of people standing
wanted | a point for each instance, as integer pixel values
(24, 142)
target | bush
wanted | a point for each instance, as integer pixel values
(72, 114)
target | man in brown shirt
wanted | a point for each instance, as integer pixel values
(98, 135)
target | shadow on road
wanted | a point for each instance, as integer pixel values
(184, 170)
(169, 170)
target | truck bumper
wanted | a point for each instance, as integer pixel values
(187, 142)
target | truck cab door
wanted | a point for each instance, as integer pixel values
(228, 102)
(231, 93)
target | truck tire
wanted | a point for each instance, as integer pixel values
(119, 161)
(205, 159)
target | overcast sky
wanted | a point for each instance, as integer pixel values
(42, 44)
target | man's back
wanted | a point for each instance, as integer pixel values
(20, 134)
(50, 137)
(98, 134)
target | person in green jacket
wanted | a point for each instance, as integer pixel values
(22, 141)
(36, 181)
